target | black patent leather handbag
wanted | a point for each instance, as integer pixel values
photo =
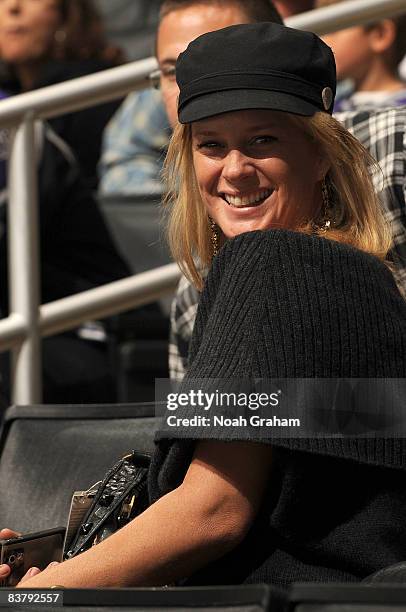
(121, 496)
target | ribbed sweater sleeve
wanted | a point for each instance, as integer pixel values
(279, 304)
(231, 311)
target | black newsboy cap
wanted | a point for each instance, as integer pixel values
(255, 66)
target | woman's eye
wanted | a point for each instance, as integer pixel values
(209, 145)
(169, 72)
(264, 139)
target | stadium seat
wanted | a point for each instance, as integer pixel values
(47, 452)
(345, 597)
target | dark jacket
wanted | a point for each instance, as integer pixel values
(81, 130)
(76, 250)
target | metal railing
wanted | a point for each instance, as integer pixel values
(346, 14)
(21, 331)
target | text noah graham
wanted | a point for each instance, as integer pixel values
(239, 421)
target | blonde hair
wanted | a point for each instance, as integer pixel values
(356, 215)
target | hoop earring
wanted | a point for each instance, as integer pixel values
(214, 236)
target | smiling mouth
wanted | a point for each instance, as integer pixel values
(254, 199)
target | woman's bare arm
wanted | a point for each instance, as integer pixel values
(201, 520)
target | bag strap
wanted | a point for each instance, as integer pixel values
(127, 476)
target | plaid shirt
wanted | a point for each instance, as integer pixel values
(383, 133)
(370, 100)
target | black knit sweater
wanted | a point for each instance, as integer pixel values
(282, 304)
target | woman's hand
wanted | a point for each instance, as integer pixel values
(5, 569)
(33, 571)
(202, 519)
(5, 534)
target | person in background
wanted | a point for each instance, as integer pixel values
(369, 55)
(136, 138)
(77, 253)
(49, 41)
(43, 42)
(134, 145)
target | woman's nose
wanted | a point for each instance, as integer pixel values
(12, 6)
(238, 166)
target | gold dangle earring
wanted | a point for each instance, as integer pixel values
(326, 206)
(214, 236)
(324, 221)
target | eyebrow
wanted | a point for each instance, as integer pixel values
(205, 133)
(168, 61)
(253, 128)
(263, 126)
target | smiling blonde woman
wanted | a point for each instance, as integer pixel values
(297, 289)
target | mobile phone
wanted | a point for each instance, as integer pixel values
(29, 550)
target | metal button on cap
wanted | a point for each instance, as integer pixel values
(327, 97)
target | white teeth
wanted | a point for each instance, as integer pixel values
(247, 200)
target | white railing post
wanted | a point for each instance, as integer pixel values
(24, 262)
